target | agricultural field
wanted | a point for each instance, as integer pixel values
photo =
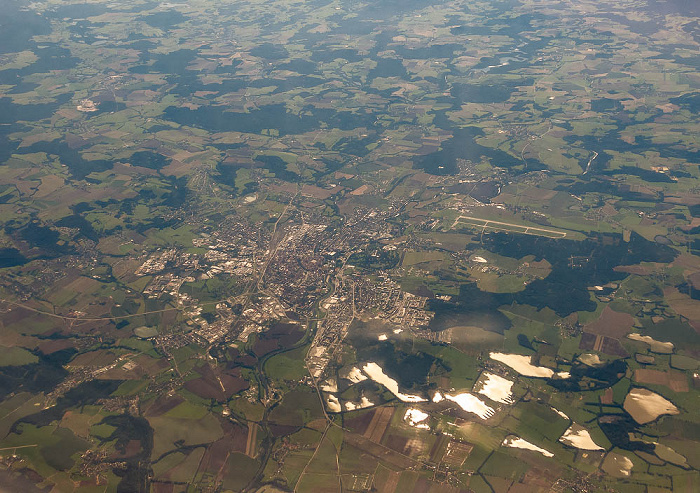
(323, 246)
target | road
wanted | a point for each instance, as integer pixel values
(85, 319)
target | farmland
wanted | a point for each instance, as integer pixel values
(349, 246)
